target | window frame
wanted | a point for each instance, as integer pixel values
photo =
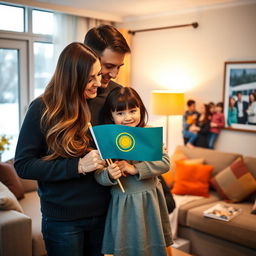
(30, 38)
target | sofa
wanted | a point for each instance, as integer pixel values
(211, 237)
(20, 231)
(20, 215)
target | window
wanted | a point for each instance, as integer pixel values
(42, 22)
(24, 70)
(43, 64)
(11, 18)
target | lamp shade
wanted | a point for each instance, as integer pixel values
(167, 103)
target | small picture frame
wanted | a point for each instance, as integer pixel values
(239, 95)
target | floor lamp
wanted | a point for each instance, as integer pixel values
(168, 103)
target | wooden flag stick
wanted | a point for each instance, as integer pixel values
(109, 161)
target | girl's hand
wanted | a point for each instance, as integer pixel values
(90, 162)
(127, 168)
(114, 171)
(213, 124)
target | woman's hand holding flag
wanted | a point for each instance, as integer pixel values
(90, 162)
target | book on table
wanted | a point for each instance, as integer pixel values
(223, 212)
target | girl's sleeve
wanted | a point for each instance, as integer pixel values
(31, 147)
(155, 168)
(221, 122)
(103, 178)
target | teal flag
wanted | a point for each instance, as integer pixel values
(129, 143)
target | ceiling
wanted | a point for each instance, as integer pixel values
(125, 10)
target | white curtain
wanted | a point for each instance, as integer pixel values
(69, 28)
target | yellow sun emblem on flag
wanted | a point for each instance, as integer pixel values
(125, 141)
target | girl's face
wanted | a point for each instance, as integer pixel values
(128, 117)
(90, 91)
(219, 109)
(212, 109)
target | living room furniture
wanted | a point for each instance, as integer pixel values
(20, 232)
(211, 237)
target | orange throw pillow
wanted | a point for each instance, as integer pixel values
(169, 178)
(192, 179)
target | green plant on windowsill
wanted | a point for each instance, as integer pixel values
(4, 144)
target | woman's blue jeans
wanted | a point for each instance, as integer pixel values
(73, 238)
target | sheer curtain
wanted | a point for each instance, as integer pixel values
(70, 28)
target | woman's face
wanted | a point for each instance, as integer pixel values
(202, 109)
(90, 91)
(252, 98)
(232, 101)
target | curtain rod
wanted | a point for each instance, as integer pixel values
(194, 25)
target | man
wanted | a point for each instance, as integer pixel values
(241, 107)
(189, 124)
(111, 48)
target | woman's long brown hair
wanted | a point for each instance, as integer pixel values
(66, 114)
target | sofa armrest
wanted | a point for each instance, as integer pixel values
(15, 234)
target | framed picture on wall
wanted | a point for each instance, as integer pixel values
(239, 95)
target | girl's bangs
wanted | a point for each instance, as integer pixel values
(124, 102)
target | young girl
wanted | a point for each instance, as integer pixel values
(217, 122)
(137, 221)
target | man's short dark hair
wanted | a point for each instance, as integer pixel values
(106, 36)
(190, 102)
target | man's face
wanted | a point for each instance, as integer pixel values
(192, 108)
(239, 97)
(111, 62)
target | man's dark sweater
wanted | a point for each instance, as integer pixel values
(64, 193)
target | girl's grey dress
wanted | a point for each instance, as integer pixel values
(137, 222)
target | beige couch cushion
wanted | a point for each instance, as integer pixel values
(31, 207)
(241, 229)
(219, 160)
(8, 201)
(183, 209)
(251, 164)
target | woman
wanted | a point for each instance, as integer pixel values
(54, 149)
(232, 111)
(203, 123)
(251, 111)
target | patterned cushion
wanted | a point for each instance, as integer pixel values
(235, 182)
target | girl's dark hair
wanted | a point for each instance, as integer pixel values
(122, 98)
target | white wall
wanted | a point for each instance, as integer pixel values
(193, 60)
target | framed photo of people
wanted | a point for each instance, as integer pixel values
(239, 95)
